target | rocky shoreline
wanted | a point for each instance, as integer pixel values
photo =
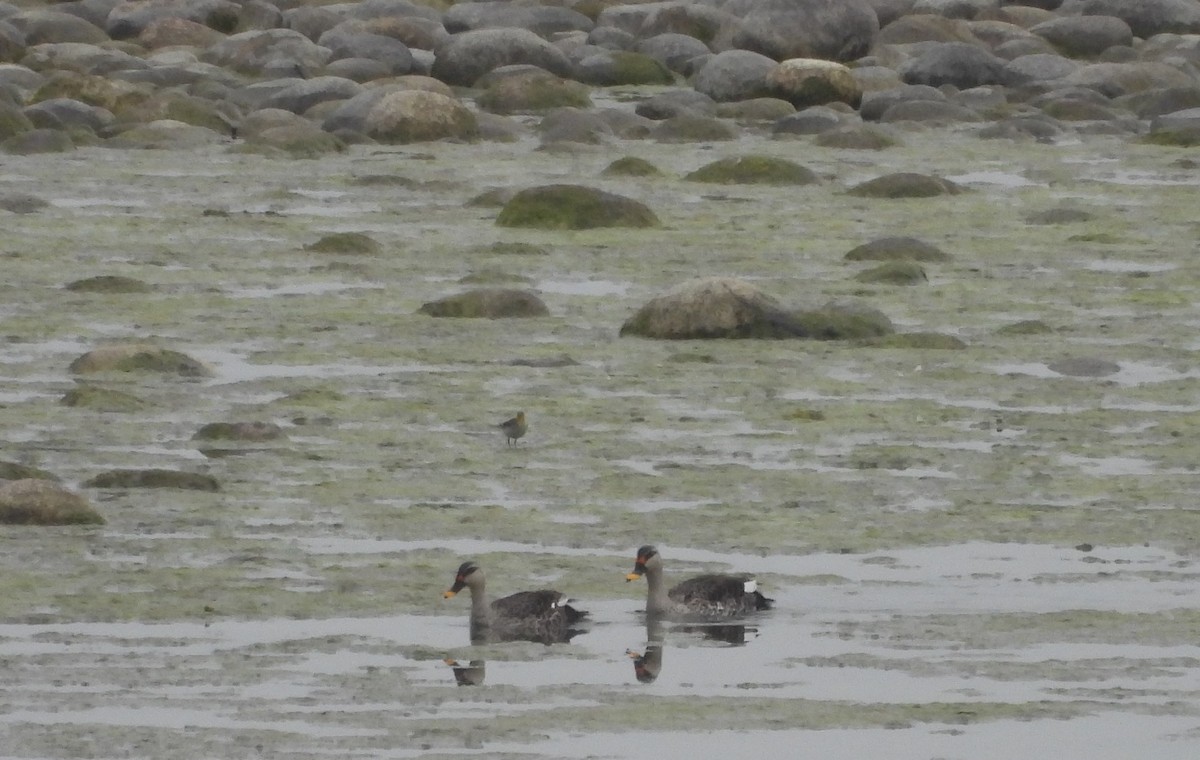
(308, 78)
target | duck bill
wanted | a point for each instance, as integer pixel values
(449, 593)
(635, 575)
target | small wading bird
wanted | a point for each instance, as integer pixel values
(514, 428)
(545, 616)
(705, 597)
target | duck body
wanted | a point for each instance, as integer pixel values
(704, 597)
(514, 428)
(545, 616)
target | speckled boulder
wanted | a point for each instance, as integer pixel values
(807, 82)
(734, 75)
(34, 501)
(408, 116)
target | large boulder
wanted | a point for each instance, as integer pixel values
(954, 63)
(573, 207)
(734, 75)
(467, 56)
(836, 30)
(408, 116)
(722, 307)
(1145, 17)
(130, 19)
(34, 501)
(138, 357)
(268, 52)
(807, 82)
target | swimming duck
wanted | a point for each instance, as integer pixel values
(705, 597)
(545, 616)
(514, 428)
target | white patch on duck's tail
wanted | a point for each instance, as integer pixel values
(751, 586)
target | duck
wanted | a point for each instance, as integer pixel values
(514, 428)
(705, 597)
(545, 616)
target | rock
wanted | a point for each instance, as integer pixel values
(875, 104)
(1181, 128)
(1145, 17)
(17, 471)
(807, 82)
(857, 137)
(467, 56)
(165, 134)
(954, 63)
(756, 109)
(102, 399)
(631, 166)
(348, 41)
(718, 307)
(130, 19)
(905, 185)
(611, 68)
(531, 90)
(1059, 216)
(1116, 79)
(267, 52)
(753, 170)
(41, 27)
(296, 140)
(921, 340)
(835, 30)
(734, 75)
(574, 125)
(673, 50)
(926, 27)
(189, 481)
(901, 272)
(664, 105)
(22, 203)
(249, 432)
(408, 116)
(13, 122)
(1084, 36)
(1039, 67)
(896, 249)
(573, 207)
(810, 121)
(543, 20)
(109, 283)
(345, 243)
(172, 32)
(138, 357)
(34, 501)
(690, 127)
(929, 112)
(38, 141)
(488, 303)
(303, 94)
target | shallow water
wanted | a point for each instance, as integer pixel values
(972, 555)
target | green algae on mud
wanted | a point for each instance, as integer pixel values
(774, 450)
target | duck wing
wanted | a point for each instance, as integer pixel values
(720, 594)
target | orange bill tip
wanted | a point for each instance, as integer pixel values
(448, 594)
(632, 577)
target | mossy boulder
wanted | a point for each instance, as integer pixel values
(153, 478)
(102, 399)
(16, 471)
(138, 357)
(249, 432)
(345, 242)
(631, 166)
(719, 307)
(39, 502)
(896, 249)
(531, 91)
(488, 303)
(904, 272)
(905, 185)
(573, 207)
(109, 283)
(1026, 327)
(857, 137)
(753, 170)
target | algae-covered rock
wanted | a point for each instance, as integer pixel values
(719, 307)
(1085, 366)
(488, 303)
(573, 207)
(532, 90)
(905, 185)
(250, 432)
(857, 137)
(153, 478)
(39, 502)
(345, 242)
(896, 249)
(631, 166)
(903, 272)
(807, 82)
(753, 170)
(138, 357)
(17, 471)
(102, 399)
(1026, 327)
(109, 283)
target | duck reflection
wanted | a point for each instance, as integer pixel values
(468, 675)
(648, 664)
